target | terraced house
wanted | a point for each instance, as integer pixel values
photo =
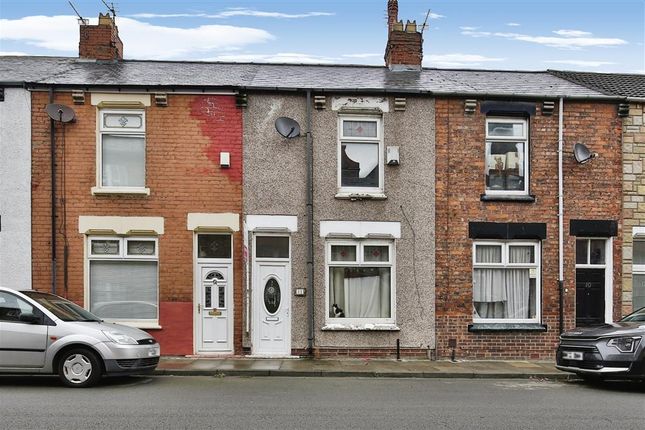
(277, 210)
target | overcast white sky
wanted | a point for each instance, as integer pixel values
(588, 35)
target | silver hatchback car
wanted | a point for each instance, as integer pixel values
(42, 333)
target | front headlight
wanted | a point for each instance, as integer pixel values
(120, 338)
(624, 344)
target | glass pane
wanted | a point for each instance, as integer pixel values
(504, 294)
(124, 289)
(272, 296)
(488, 253)
(359, 165)
(515, 129)
(122, 120)
(123, 159)
(639, 252)
(597, 254)
(208, 300)
(359, 292)
(11, 307)
(376, 253)
(359, 129)
(581, 251)
(141, 247)
(638, 292)
(214, 246)
(505, 166)
(222, 296)
(521, 254)
(272, 247)
(105, 247)
(343, 253)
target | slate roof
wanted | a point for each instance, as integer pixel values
(626, 85)
(74, 72)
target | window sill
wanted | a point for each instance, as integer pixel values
(498, 327)
(507, 198)
(341, 195)
(120, 190)
(152, 325)
(361, 327)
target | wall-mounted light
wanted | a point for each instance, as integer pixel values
(470, 105)
(78, 97)
(161, 99)
(320, 102)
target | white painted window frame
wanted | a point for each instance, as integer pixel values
(123, 256)
(360, 244)
(104, 130)
(524, 138)
(608, 266)
(537, 266)
(369, 191)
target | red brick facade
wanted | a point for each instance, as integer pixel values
(591, 191)
(183, 141)
(100, 42)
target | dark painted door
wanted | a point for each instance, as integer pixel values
(590, 297)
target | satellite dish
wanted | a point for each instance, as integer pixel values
(287, 127)
(582, 153)
(60, 113)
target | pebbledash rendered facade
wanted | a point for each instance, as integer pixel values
(417, 209)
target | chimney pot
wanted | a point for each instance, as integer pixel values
(101, 41)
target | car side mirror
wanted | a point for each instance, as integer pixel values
(29, 318)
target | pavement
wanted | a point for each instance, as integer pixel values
(384, 368)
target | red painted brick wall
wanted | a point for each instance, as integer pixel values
(592, 191)
(183, 142)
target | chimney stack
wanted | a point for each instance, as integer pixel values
(101, 41)
(404, 50)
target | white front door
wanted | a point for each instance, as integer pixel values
(215, 316)
(272, 303)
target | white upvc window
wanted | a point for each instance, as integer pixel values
(507, 156)
(506, 282)
(360, 155)
(121, 151)
(638, 273)
(360, 282)
(123, 279)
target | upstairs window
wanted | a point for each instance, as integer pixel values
(122, 149)
(360, 159)
(507, 155)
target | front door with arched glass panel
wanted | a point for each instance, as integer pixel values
(271, 296)
(215, 318)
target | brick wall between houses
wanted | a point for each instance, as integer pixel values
(592, 191)
(183, 142)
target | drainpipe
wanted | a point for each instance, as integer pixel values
(52, 153)
(310, 228)
(560, 215)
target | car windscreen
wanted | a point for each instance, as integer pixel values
(63, 309)
(637, 316)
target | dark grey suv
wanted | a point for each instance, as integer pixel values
(609, 351)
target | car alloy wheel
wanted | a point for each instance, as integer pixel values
(79, 368)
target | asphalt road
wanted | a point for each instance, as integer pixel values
(319, 403)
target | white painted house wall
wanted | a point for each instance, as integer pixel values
(15, 189)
